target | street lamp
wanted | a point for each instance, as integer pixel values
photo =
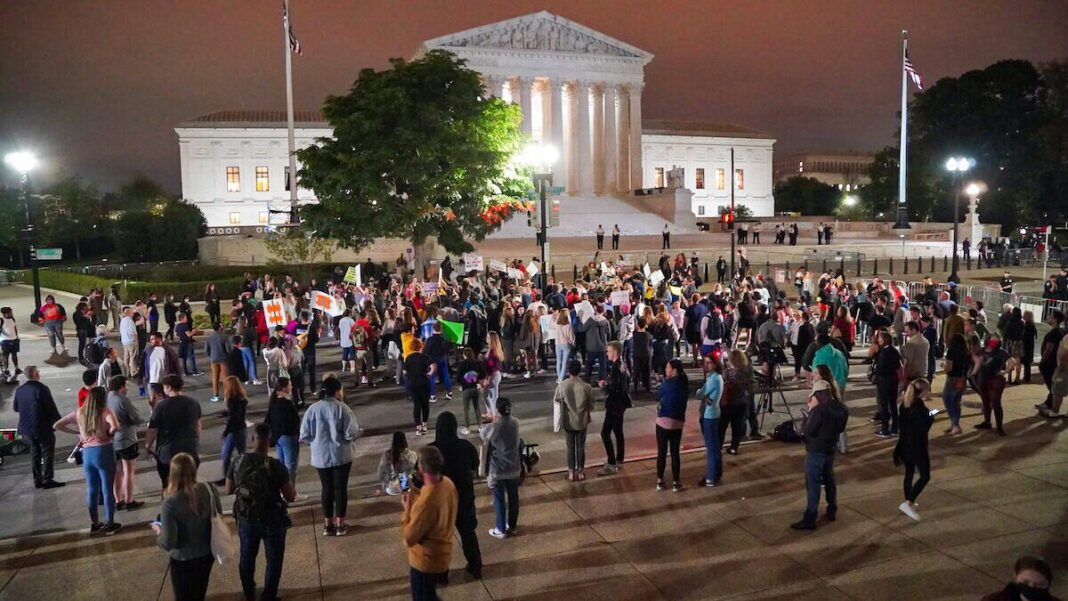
(24, 162)
(850, 201)
(541, 158)
(957, 167)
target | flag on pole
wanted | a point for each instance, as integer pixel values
(913, 74)
(452, 331)
(294, 43)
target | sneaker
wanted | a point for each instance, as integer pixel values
(527, 375)
(832, 515)
(803, 524)
(197, 373)
(495, 533)
(732, 451)
(465, 431)
(704, 482)
(448, 395)
(1041, 406)
(1001, 431)
(677, 487)
(983, 426)
(607, 470)
(512, 531)
(341, 530)
(433, 398)
(111, 528)
(329, 531)
(95, 528)
(133, 505)
(660, 485)
(909, 511)
(256, 382)
(120, 505)
(418, 431)
(883, 435)
(52, 484)
(214, 399)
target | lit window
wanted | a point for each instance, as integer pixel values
(721, 179)
(265, 218)
(739, 179)
(701, 180)
(659, 177)
(263, 181)
(233, 179)
(800, 166)
(235, 218)
(700, 209)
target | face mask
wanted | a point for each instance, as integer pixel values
(1031, 593)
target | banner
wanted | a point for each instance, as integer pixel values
(498, 266)
(452, 331)
(326, 303)
(473, 263)
(620, 298)
(645, 270)
(656, 277)
(274, 312)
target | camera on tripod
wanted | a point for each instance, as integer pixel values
(771, 354)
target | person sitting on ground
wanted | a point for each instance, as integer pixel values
(397, 465)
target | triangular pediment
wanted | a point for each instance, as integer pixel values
(539, 32)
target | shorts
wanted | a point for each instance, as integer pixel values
(1059, 385)
(694, 337)
(348, 353)
(128, 454)
(10, 346)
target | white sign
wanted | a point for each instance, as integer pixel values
(656, 277)
(780, 276)
(606, 270)
(326, 303)
(473, 263)
(533, 268)
(498, 266)
(584, 310)
(548, 327)
(515, 274)
(645, 270)
(274, 312)
(620, 298)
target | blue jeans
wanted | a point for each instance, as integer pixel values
(288, 450)
(98, 465)
(509, 487)
(424, 585)
(713, 449)
(234, 441)
(251, 534)
(819, 470)
(249, 359)
(442, 376)
(601, 360)
(951, 397)
(188, 356)
(563, 355)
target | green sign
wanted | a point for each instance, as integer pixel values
(352, 275)
(556, 190)
(49, 254)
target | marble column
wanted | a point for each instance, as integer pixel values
(611, 144)
(597, 145)
(636, 167)
(523, 98)
(623, 143)
(555, 102)
(570, 151)
(585, 138)
(492, 85)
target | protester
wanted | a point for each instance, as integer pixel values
(95, 426)
(125, 443)
(670, 419)
(397, 465)
(956, 364)
(575, 398)
(183, 528)
(911, 448)
(419, 369)
(501, 438)
(173, 428)
(329, 428)
(234, 435)
(461, 463)
(1032, 581)
(429, 515)
(37, 414)
(994, 365)
(616, 402)
(710, 394)
(826, 421)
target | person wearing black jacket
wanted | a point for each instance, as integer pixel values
(37, 412)
(235, 360)
(616, 403)
(461, 463)
(284, 421)
(85, 329)
(887, 373)
(911, 446)
(826, 421)
(806, 335)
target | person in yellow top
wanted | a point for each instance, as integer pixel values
(406, 341)
(429, 516)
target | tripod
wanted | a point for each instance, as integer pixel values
(768, 390)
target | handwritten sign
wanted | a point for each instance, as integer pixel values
(327, 304)
(430, 288)
(498, 266)
(656, 277)
(533, 268)
(584, 310)
(515, 274)
(473, 263)
(274, 312)
(620, 298)
(645, 270)
(352, 275)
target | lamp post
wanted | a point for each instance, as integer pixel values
(24, 162)
(957, 167)
(541, 157)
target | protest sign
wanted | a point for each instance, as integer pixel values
(274, 312)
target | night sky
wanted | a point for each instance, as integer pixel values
(96, 88)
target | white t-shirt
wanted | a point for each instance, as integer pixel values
(155, 364)
(345, 331)
(7, 329)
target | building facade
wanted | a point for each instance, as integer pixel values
(847, 170)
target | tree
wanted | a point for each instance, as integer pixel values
(1053, 144)
(72, 213)
(12, 209)
(166, 231)
(806, 195)
(741, 212)
(297, 248)
(418, 150)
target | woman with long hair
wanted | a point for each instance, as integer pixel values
(530, 335)
(95, 426)
(565, 339)
(234, 435)
(330, 428)
(493, 363)
(397, 465)
(184, 528)
(956, 364)
(737, 386)
(211, 303)
(710, 394)
(911, 448)
(847, 329)
(284, 421)
(670, 418)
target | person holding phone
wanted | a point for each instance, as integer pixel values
(915, 420)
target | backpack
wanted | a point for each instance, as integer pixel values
(359, 336)
(785, 432)
(94, 353)
(714, 327)
(255, 498)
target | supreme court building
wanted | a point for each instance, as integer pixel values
(579, 90)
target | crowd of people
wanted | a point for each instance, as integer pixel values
(619, 334)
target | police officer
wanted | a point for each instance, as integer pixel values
(1006, 283)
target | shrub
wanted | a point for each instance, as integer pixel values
(75, 283)
(227, 288)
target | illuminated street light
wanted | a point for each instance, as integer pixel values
(850, 201)
(541, 158)
(957, 167)
(21, 161)
(25, 162)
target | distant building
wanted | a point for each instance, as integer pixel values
(846, 170)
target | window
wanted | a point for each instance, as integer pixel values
(659, 177)
(739, 179)
(700, 180)
(235, 218)
(700, 209)
(263, 181)
(264, 218)
(721, 179)
(801, 167)
(233, 179)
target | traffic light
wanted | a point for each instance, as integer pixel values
(727, 220)
(554, 214)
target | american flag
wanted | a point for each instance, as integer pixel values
(913, 74)
(294, 43)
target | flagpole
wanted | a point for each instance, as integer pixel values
(289, 115)
(902, 179)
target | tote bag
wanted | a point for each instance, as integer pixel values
(558, 411)
(223, 544)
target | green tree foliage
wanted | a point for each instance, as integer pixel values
(12, 210)
(807, 195)
(165, 231)
(1053, 145)
(418, 150)
(741, 212)
(71, 213)
(294, 247)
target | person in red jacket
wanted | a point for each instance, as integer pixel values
(51, 315)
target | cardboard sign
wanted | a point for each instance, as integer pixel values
(676, 291)
(351, 274)
(620, 298)
(584, 310)
(430, 288)
(780, 276)
(645, 270)
(655, 278)
(498, 266)
(533, 268)
(473, 263)
(274, 312)
(606, 269)
(326, 303)
(515, 274)
(548, 327)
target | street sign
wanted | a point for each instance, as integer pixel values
(49, 254)
(556, 190)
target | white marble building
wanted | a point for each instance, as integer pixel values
(579, 90)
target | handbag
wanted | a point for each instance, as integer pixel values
(483, 460)
(558, 411)
(223, 543)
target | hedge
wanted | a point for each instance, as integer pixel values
(81, 284)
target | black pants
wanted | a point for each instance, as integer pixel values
(667, 242)
(163, 468)
(469, 540)
(420, 405)
(751, 415)
(615, 242)
(733, 415)
(190, 578)
(44, 455)
(82, 338)
(886, 394)
(309, 369)
(913, 489)
(641, 371)
(1047, 378)
(600, 241)
(664, 439)
(335, 496)
(756, 237)
(613, 424)
(170, 331)
(721, 275)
